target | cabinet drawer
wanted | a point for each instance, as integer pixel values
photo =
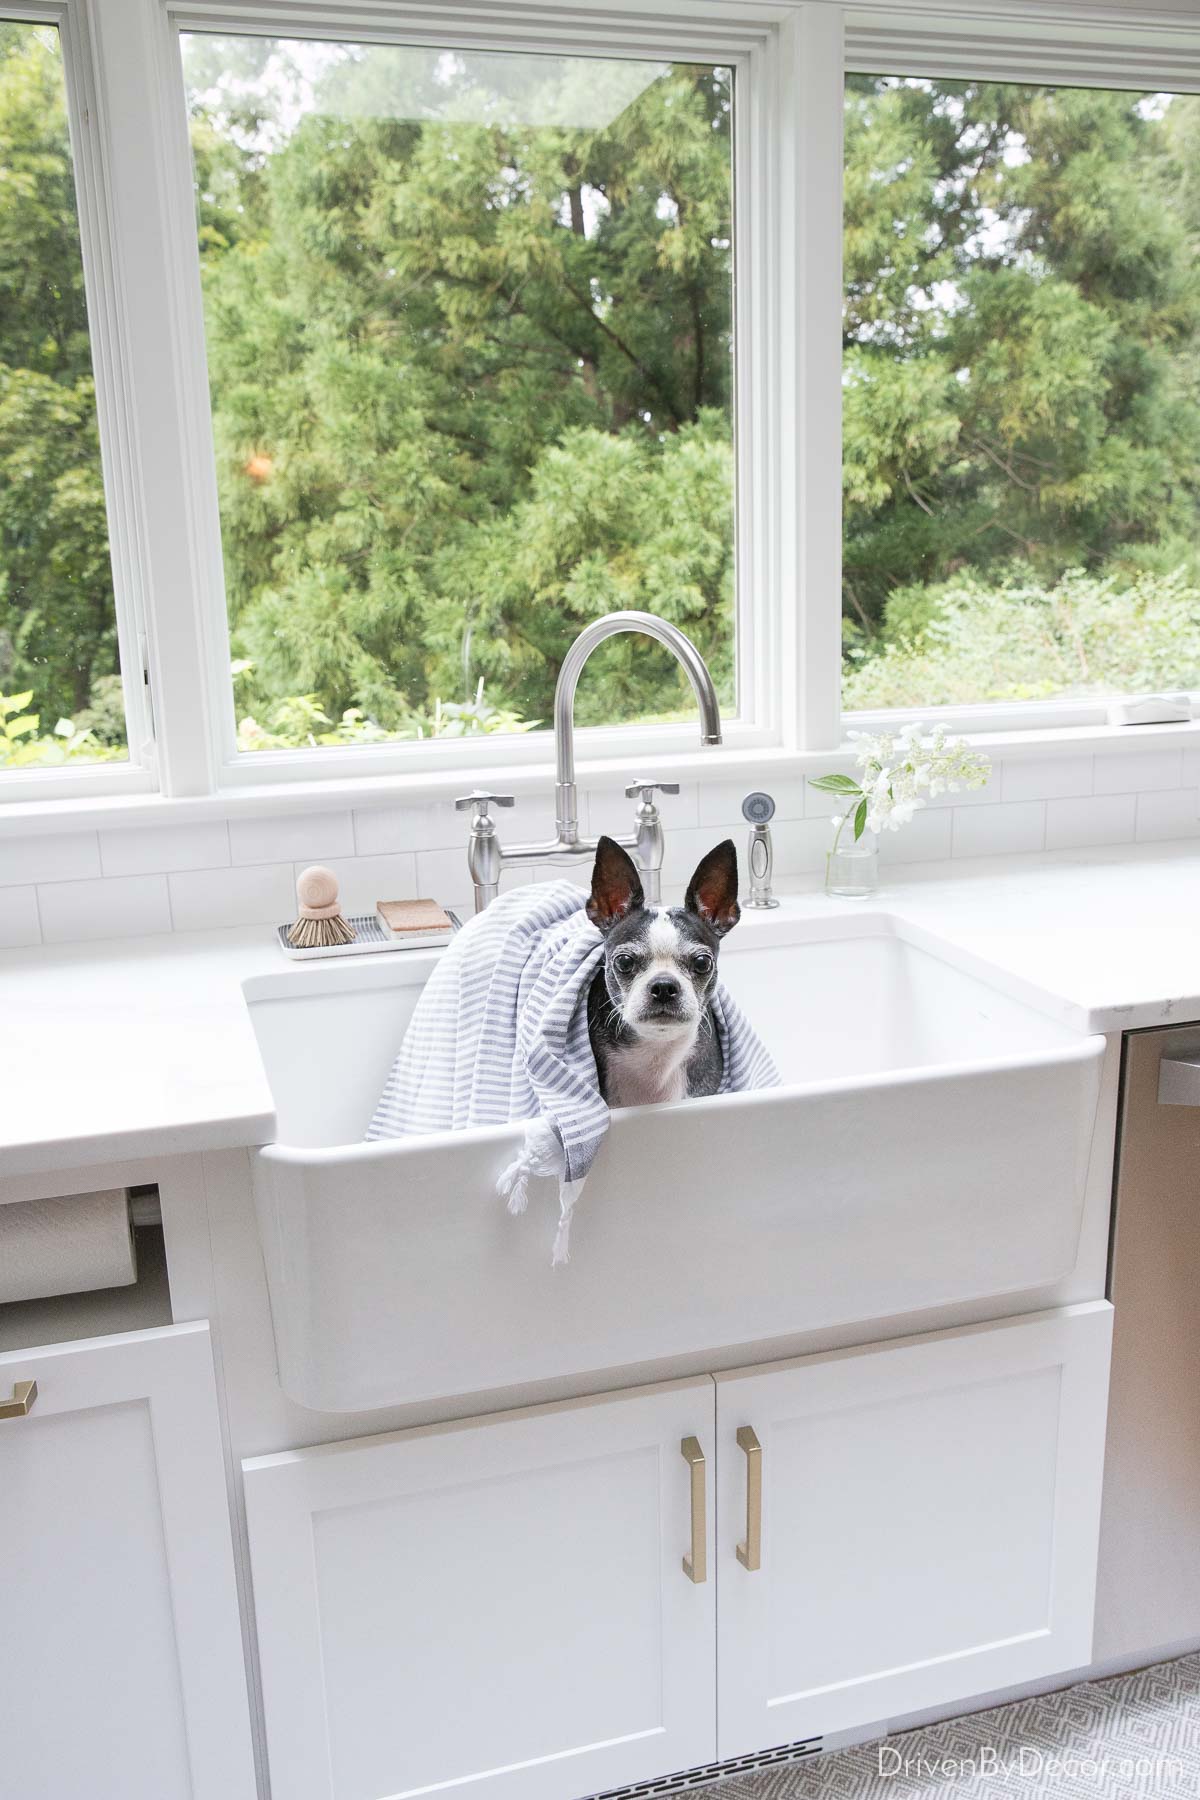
(497, 1608)
(929, 1520)
(121, 1668)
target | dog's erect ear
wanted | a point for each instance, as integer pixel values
(616, 886)
(712, 891)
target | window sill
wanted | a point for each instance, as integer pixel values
(754, 766)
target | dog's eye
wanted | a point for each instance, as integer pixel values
(625, 962)
(702, 962)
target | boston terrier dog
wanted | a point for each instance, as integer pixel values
(649, 1006)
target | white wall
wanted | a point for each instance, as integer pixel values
(132, 881)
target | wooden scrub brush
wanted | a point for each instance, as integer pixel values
(322, 922)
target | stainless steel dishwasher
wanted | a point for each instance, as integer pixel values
(1148, 1586)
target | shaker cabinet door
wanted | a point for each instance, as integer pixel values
(917, 1523)
(497, 1608)
(121, 1665)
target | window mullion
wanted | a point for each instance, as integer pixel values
(809, 286)
(104, 321)
(177, 531)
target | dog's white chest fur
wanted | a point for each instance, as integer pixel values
(645, 1073)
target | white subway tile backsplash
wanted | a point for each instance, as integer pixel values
(135, 880)
(201, 899)
(119, 906)
(365, 880)
(530, 821)
(1092, 819)
(311, 837)
(801, 846)
(1005, 829)
(926, 838)
(683, 852)
(1138, 771)
(720, 801)
(70, 856)
(1047, 778)
(381, 830)
(152, 850)
(19, 922)
(609, 812)
(1171, 813)
(442, 875)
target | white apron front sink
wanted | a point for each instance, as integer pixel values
(929, 1146)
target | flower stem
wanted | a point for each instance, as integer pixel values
(837, 836)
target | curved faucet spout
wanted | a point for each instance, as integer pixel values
(487, 858)
(685, 654)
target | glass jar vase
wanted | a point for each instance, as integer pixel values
(852, 865)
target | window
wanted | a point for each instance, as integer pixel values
(410, 346)
(61, 700)
(470, 328)
(1021, 384)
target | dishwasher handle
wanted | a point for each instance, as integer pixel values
(1179, 1079)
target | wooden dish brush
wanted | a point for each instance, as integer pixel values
(322, 922)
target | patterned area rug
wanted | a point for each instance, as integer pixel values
(1102, 1740)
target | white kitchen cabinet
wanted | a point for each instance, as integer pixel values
(929, 1520)
(121, 1666)
(497, 1607)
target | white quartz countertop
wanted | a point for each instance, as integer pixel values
(126, 1049)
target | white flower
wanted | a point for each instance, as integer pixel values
(899, 768)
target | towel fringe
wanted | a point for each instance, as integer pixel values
(568, 1194)
(540, 1154)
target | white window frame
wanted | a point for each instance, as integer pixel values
(1072, 43)
(118, 451)
(776, 705)
(141, 259)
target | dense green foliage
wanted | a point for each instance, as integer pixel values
(471, 378)
(1019, 640)
(1022, 377)
(57, 631)
(471, 381)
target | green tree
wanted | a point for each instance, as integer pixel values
(471, 382)
(1020, 343)
(471, 375)
(57, 629)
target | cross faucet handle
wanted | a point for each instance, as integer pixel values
(648, 789)
(481, 801)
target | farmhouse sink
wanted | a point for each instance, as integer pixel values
(930, 1145)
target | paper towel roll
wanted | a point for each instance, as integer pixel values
(68, 1245)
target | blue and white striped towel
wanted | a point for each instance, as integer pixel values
(500, 1033)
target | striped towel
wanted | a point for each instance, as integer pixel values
(500, 1034)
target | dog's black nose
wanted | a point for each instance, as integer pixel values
(664, 990)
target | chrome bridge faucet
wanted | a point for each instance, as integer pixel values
(487, 858)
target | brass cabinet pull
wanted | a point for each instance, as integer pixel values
(24, 1395)
(749, 1553)
(695, 1565)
